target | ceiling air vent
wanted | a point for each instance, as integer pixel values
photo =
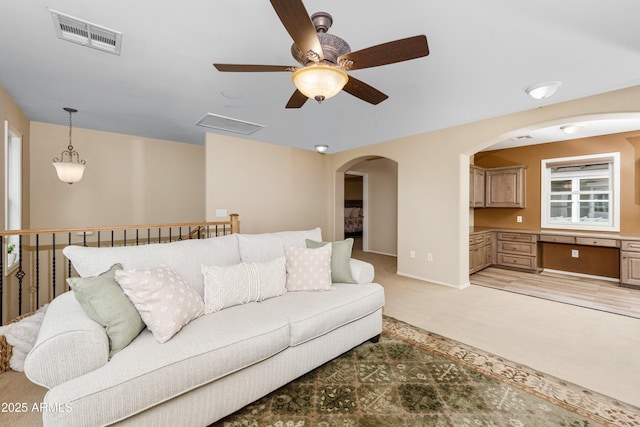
(215, 121)
(85, 33)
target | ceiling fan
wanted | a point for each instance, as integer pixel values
(325, 58)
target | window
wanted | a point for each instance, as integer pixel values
(13, 190)
(581, 193)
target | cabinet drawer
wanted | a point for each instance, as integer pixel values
(517, 248)
(475, 239)
(610, 243)
(509, 260)
(631, 246)
(488, 239)
(557, 239)
(517, 237)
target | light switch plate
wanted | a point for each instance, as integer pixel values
(221, 213)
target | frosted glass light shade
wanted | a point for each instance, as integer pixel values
(543, 90)
(319, 82)
(69, 172)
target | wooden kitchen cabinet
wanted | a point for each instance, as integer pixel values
(476, 187)
(630, 264)
(517, 250)
(505, 187)
(481, 250)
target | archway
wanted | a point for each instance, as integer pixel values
(378, 207)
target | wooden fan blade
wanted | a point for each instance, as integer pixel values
(361, 90)
(297, 100)
(386, 53)
(253, 68)
(297, 22)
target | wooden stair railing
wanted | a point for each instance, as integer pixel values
(40, 269)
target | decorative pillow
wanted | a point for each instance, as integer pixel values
(308, 269)
(105, 303)
(356, 212)
(165, 302)
(242, 283)
(340, 259)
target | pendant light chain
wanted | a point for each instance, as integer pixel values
(70, 147)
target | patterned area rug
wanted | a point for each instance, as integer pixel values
(415, 378)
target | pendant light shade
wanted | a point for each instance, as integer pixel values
(320, 82)
(69, 166)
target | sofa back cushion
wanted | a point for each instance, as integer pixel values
(185, 257)
(269, 246)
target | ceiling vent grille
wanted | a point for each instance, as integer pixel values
(85, 33)
(215, 121)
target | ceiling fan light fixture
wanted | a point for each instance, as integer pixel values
(543, 90)
(320, 82)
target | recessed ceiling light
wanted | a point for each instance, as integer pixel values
(543, 89)
(571, 129)
(321, 148)
(231, 94)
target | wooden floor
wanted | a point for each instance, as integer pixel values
(585, 292)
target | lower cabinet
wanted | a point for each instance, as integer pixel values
(517, 250)
(481, 249)
(630, 263)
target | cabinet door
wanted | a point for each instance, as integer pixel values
(504, 187)
(476, 187)
(630, 268)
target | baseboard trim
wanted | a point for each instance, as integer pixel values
(381, 253)
(437, 282)
(586, 276)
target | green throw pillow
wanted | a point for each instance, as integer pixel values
(103, 300)
(340, 259)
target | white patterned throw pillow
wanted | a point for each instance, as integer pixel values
(165, 302)
(308, 269)
(226, 286)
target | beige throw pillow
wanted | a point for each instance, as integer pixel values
(165, 302)
(226, 286)
(308, 269)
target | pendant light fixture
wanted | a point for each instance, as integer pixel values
(69, 167)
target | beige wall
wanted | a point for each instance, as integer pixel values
(433, 182)
(382, 204)
(10, 111)
(627, 144)
(272, 187)
(129, 180)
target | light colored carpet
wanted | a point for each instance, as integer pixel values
(591, 348)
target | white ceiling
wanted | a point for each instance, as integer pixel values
(483, 55)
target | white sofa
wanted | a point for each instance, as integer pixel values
(218, 363)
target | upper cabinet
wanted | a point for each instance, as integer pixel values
(500, 187)
(476, 187)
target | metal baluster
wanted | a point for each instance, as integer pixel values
(37, 271)
(68, 263)
(159, 235)
(112, 239)
(98, 238)
(125, 237)
(53, 264)
(169, 234)
(20, 275)
(148, 236)
(137, 240)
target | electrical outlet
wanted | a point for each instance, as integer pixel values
(412, 254)
(575, 253)
(519, 218)
(429, 257)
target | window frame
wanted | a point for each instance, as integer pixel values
(12, 191)
(614, 191)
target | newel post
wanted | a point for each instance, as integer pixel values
(235, 223)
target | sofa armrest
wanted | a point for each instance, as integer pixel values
(361, 271)
(69, 344)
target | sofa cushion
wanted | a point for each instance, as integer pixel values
(340, 257)
(242, 283)
(312, 314)
(103, 300)
(165, 302)
(147, 372)
(186, 257)
(268, 246)
(69, 344)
